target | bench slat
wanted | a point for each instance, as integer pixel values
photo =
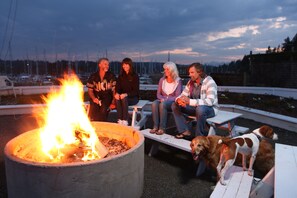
(239, 184)
(223, 117)
(168, 139)
(285, 171)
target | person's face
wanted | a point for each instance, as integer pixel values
(166, 71)
(126, 68)
(104, 65)
(193, 74)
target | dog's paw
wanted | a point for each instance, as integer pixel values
(250, 172)
(223, 182)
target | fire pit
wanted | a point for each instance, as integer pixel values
(65, 157)
(116, 176)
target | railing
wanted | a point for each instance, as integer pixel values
(282, 92)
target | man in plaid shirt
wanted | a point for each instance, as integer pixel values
(199, 98)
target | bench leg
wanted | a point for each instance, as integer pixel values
(154, 149)
(265, 187)
(134, 117)
(212, 130)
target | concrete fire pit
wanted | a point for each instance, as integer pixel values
(117, 176)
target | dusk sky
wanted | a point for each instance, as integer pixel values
(144, 30)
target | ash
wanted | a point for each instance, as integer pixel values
(113, 146)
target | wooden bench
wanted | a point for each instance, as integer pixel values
(239, 184)
(225, 120)
(285, 171)
(136, 109)
(171, 141)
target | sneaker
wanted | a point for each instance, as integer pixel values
(125, 122)
(120, 121)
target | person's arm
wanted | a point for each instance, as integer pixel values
(135, 87)
(159, 90)
(92, 96)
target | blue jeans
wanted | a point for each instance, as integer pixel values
(201, 112)
(159, 113)
(122, 107)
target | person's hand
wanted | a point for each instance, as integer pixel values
(186, 100)
(97, 101)
(181, 102)
(117, 96)
(122, 96)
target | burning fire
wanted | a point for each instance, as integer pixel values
(67, 131)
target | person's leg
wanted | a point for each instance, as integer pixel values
(155, 114)
(164, 107)
(178, 113)
(202, 113)
(102, 114)
(93, 112)
(124, 103)
(119, 110)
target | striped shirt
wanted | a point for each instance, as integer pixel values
(208, 94)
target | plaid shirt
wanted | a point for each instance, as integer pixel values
(208, 94)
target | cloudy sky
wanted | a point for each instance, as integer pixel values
(146, 30)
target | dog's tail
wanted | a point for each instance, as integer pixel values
(221, 141)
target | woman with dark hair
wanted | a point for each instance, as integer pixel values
(127, 90)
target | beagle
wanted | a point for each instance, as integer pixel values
(247, 144)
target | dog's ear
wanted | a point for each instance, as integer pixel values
(266, 131)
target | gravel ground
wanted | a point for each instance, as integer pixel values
(170, 173)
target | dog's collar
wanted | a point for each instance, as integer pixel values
(258, 136)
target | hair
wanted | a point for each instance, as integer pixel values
(102, 59)
(172, 69)
(199, 68)
(130, 63)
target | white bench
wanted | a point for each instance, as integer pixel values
(166, 139)
(171, 141)
(239, 184)
(225, 120)
(136, 109)
(285, 171)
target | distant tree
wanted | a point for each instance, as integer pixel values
(268, 51)
(287, 45)
(294, 43)
(278, 49)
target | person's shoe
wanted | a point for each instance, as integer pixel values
(154, 130)
(120, 121)
(160, 132)
(125, 122)
(184, 135)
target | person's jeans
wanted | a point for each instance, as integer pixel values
(100, 113)
(201, 112)
(122, 107)
(160, 112)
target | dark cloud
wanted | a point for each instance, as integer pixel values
(195, 30)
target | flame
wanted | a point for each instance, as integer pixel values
(66, 125)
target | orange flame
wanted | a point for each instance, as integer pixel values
(67, 126)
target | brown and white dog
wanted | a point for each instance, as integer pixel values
(247, 144)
